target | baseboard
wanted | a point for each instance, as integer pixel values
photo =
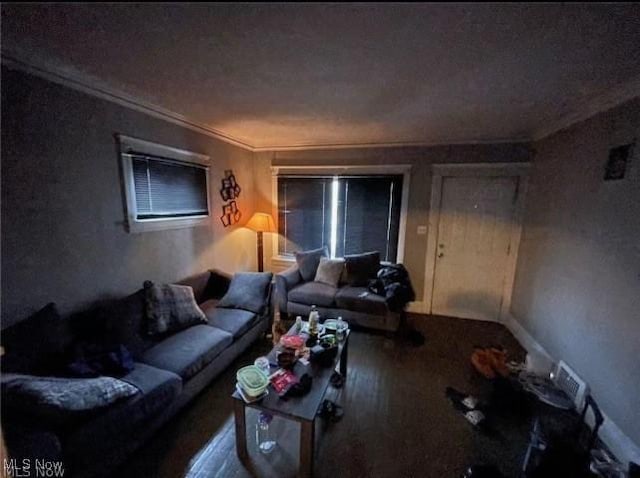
(417, 307)
(616, 440)
(526, 339)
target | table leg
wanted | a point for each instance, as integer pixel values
(307, 436)
(241, 430)
(343, 360)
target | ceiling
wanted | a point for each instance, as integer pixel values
(284, 75)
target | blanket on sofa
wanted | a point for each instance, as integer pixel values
(59, 398)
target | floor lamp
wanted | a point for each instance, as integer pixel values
(261, 222)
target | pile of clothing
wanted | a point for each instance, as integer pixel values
(393, 283)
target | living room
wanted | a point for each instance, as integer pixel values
(488, 149)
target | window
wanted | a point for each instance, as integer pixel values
(348, 214)
(165, 188)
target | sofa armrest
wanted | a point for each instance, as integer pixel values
(218, 284)
(285, 281)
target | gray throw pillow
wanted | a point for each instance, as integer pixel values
(361, 268)
(248, 291)
(58, 399)
(329, 271)
(308, 262)
(171, 308)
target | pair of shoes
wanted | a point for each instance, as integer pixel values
(331, 411)
(490, 361)
(336, 380)
(466, 404)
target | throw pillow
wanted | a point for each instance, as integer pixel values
(361, 268)
(60, 399)
(248, 291)
(171, 308)
(308, 262)
(329, 271)
(38, 344)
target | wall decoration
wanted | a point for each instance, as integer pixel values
(617, 163)
(230, 214)
(230, 188)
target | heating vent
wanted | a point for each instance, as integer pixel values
(571, 384)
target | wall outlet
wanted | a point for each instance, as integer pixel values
(421, 231)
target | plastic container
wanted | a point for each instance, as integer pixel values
(263, 364)
(252, 380)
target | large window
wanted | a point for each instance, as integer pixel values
(348, 214)
(165, 188)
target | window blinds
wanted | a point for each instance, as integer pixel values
(166, 188)
(367, 219)
(303, 213)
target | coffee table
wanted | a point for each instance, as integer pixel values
(299, 409)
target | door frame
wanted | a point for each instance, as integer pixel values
(441, 171)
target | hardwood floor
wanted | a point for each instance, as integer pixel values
(397, 421)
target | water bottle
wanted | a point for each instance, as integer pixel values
(313, 321)
(341, 329)
(298, 324)
(266, 444)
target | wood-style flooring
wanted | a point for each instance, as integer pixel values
(397, 421)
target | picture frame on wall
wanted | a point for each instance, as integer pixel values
(617, 162)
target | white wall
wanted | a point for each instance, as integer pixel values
(577, 288)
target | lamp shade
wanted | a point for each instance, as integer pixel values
(261, 222)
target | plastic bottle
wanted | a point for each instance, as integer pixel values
(313, 321)
(266, 444)
(341, 329)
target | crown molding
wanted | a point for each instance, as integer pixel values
(92, 86)
(394, 144)
(71, 78)
(591, 106)
(99, 89)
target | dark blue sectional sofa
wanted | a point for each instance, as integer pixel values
(168, 371)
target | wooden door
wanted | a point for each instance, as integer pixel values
(473, 243)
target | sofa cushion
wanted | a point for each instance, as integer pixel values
(361, 268)
(159, 390)
(308, 262)
(170, 308)
(248, 291)
(188, 351)
(361, 300)
(329, 271)
(313, 293)
(208, 305)
(234, 321)
(37, 345)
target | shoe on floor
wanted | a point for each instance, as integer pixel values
(336, 380)
(460, 400)
(330, 411)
